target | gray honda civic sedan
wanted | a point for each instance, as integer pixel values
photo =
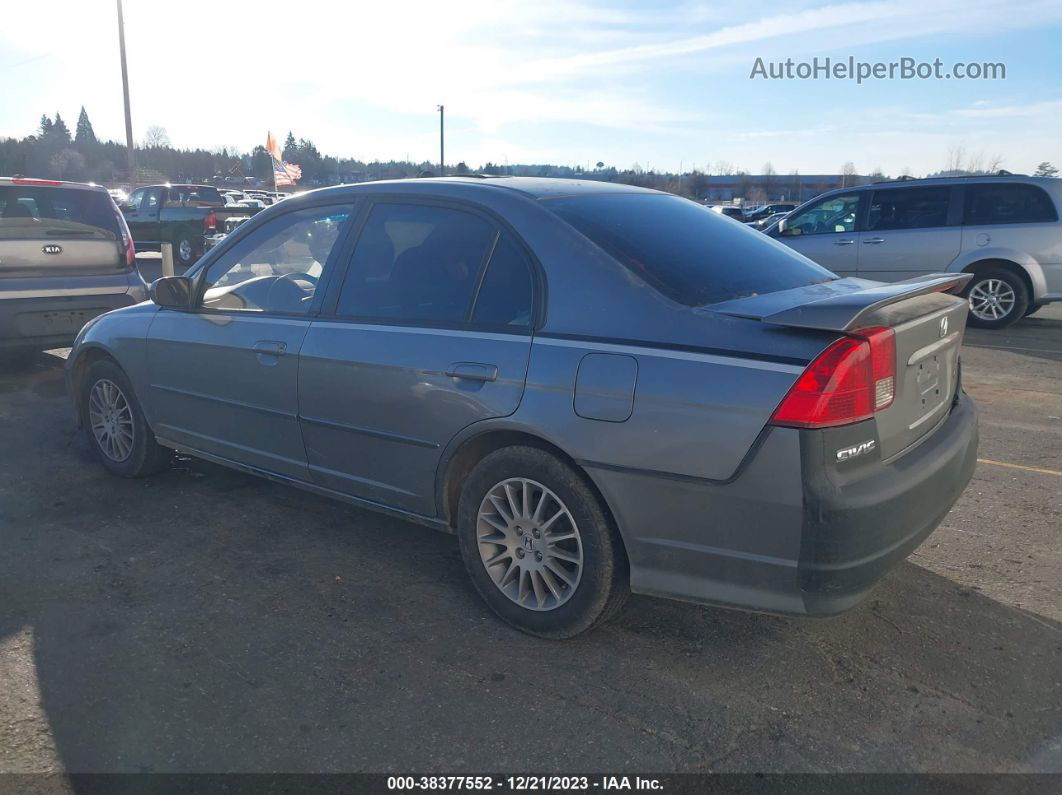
(599, 389)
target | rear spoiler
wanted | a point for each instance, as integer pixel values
(839, 305)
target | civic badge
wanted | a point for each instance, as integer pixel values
(944, 326)
(52, 248)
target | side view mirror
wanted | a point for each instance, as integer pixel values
(126, 207)
(171, 292)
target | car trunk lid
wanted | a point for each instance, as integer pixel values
(928, 325)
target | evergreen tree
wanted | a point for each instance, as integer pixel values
(46, 126)
(1045, 169)
(289, 146)
(60, 129)
(85, 136)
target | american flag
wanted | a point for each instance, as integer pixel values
(285, 173)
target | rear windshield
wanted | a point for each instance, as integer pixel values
(686, 251)
(36, 212)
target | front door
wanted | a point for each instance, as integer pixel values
(825, 233)
(224, 377)
(142, 214)
(908, 233)
(429, 332)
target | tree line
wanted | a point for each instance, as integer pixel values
(52, 151)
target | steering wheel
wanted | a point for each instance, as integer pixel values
(293, 294)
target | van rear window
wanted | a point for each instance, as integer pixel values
(37, 212)
(684, 250)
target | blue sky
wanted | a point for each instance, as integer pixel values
(660, 84)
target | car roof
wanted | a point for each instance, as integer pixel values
(50, 183)
(531, 187)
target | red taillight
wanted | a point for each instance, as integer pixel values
(210, 221)
(848, 382)
(127, 237)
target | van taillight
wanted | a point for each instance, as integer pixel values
(127, 237)
(847, 382)
(210, 221)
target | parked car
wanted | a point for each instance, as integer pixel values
(760, 213)
(1004, 230)
(764, 223)
(729, 211)
(598, 388)
(66, 256)
(183, 215)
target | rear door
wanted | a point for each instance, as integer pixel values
(909, 231)
(824, 232)
(53, 231)
(224, 376)
(430, 331)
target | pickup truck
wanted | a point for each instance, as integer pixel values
(184, 215)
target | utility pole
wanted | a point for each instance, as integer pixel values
(442, 150)
(130, 151)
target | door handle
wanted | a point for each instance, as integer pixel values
(473, 371)
(270, 348)
(844, 242)
(874, 240)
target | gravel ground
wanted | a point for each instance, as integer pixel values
(204, 620)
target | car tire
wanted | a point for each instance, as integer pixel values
(998, 297)
(125, 443)
(571, 568)
(184, 249)
(1032, 309)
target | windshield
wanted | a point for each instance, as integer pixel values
(687, 252)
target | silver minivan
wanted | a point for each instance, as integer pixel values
(1003, 229)
(66, 255)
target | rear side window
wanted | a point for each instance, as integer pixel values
(192, 196)
(504, 298)
(1008, 204)
(686, 251)
(908, 208)
(416, 263)
(37, 213)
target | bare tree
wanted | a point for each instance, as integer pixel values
(956, 158)
(994, 163)
(848, 171)
(155, 137)
(724, 168)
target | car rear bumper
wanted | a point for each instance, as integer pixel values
(54, 321)
(790, 533)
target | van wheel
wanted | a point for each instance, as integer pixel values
(538, 545)
(117, 430)
(997, 298)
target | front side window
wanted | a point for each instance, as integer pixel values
(684, 250)
(416, 263)
(1008, 204)
(277, 267)
(908, 208)
(833, 215)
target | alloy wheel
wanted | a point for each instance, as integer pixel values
(111, 420)
(529, 544)
(992, 299)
